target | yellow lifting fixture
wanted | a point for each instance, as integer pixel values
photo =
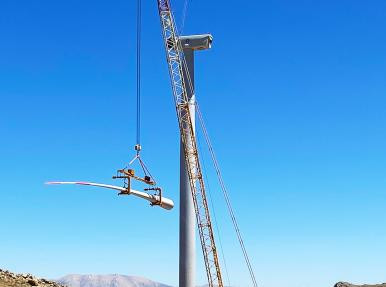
(128, 174)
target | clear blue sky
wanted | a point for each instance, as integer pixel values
(293, 93)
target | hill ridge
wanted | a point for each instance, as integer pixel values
(107, 280)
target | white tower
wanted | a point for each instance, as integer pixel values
(187, 214)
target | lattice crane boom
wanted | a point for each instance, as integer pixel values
(175, 60)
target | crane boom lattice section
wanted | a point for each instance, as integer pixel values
(175, 60)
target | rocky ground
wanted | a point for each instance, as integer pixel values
(345, 284)
(9, 279)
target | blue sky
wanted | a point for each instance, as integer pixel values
(293, 94)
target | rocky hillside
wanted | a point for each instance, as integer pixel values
(112, 280)
(8, 279)
(345, 284)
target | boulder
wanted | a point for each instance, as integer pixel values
(345, 284)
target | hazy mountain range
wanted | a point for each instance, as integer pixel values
(111, 280)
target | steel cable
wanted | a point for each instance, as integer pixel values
(139, 28)
(184, 12)
(204, 169)
(226, 196)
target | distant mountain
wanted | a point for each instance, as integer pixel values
(112, 280)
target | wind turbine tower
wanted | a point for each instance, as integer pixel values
(187, 259)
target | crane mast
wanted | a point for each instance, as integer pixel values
(175, 60)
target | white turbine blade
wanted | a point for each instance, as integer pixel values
(154, 199)
(89, 183)
(166, 203)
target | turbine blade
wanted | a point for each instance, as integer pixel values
(89, 183)
(163, 202)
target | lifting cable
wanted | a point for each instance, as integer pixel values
(138, 128)
(184, 11)
(226, 196)
(213, 210)
(139, 16)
